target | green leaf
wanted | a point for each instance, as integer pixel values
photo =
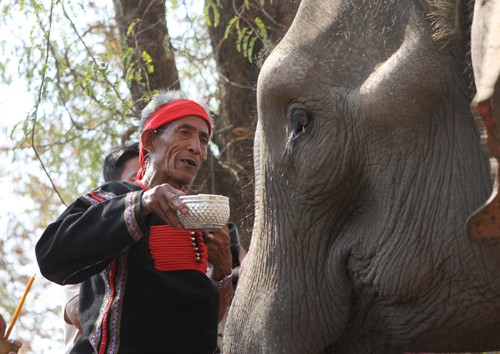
(148, 62)
(5, 10)
(250, 49)
(230, 25)
(245, 43)
(212, 8)
(240, 39)
(262, 30)
(131, 27)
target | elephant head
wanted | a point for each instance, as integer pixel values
(368, 162)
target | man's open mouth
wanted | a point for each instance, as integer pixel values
(189, 162)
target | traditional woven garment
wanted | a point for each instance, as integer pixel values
(144, 285)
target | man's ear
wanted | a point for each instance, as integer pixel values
(148, 140)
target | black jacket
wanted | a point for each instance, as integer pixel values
(126, 305)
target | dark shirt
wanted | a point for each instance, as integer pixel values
(126, 305)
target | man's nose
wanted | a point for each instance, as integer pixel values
(195, 145)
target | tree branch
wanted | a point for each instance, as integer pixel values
(37, 104)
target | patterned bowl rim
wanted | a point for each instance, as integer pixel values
(204, 198)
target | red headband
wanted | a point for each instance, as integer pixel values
(166, 114)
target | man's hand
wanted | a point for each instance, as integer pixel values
(163, 201)
(219, 256)
(219, 253)
(71, 314)
(13, 346)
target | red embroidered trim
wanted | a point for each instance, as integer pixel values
(104, 337)
(173, 249)
(96, 197)
(143, 186)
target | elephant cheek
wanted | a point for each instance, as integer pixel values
(278, 296)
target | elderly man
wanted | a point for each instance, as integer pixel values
(145, 288)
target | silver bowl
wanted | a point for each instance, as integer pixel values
(207, 212)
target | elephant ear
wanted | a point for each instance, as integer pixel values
(484, 224)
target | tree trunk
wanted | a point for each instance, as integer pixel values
(143, 30)
(235, 126)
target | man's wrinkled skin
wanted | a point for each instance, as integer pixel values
(368, 163)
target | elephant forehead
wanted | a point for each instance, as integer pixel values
(328, 42)
(312, 16)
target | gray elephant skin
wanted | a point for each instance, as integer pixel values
(368, 163)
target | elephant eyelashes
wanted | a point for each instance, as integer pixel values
(300, 120)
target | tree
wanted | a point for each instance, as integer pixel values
(91, 70)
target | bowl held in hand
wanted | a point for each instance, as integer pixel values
(207, 212)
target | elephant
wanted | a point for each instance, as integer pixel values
(368, 163)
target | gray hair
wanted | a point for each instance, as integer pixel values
(163, 97)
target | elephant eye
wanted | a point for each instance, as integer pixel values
(300, 120)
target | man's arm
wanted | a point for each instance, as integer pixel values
(219, 255)
(90, 232)
(70, 308)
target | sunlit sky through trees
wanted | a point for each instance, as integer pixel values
(16, 103)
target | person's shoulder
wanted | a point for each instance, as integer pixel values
(118, 187)
(109, 190)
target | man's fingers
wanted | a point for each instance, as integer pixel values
(168, 214)
(164, 201)
(176, 204)
(171, 196)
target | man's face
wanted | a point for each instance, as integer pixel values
(130, 168)
(179, 150)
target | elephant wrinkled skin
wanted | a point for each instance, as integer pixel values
(368, 162)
